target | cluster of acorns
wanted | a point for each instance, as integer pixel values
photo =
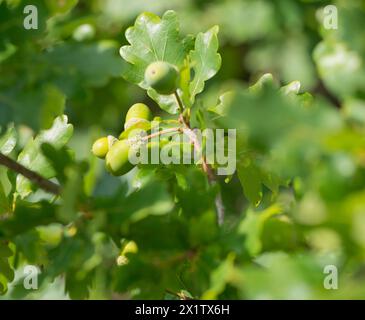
(162, 77)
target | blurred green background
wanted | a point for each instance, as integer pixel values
(71, 65)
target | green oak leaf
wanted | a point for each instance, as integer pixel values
(143, 177)
(253, 225)
(6, 275)
(61, 7)
(53, 105)
(31, 156)
(292, 88)
(27, 216)
(185, 78)
(265, 80)
(5, 251)
(221, 276)
(204, 60)
(167, 103)
(250, 177)
(340, 68)
(8, 140)
(71, 192)
(154, 39)
(225, 100)
(6, 272)
(75, 61)
(4, 201)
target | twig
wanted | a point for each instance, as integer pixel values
(43, 183)
(156, 134)
(206, 167)
(219, 207)
(179, 102)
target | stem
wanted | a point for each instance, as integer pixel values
(219, 207)
(43, 183)
(179, 102)
(206, 167)
(156, 134)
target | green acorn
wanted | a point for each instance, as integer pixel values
(117, 162)
(101, 146)
(162, 76)
(139, 112)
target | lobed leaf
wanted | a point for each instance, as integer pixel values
(8, 141)
(205, 60)
(31, 157)
(154, 39)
